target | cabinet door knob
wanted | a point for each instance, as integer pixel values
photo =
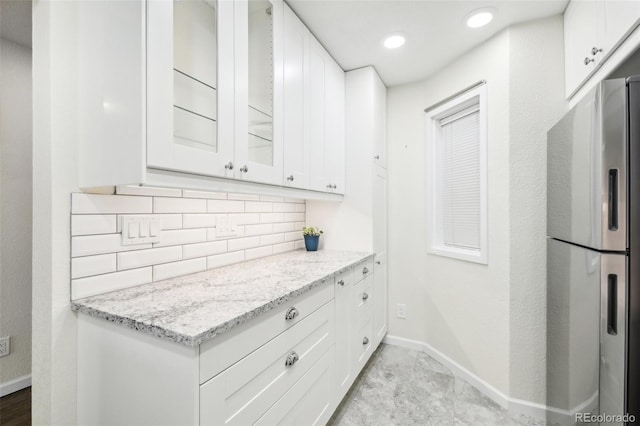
(365, 341)
(335, 186)
(229, 166)
(377, 157)
(365, 270)
(587, 61)
(292, 358)
(244, 169)
(378, 262)
(329, 186)
(365, 296)
(291, 313)
(341, 282)
(595, 51)
(290, 178)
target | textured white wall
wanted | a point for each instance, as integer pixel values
(460, 308)
(536, 102)
(490, 319)
(15, 208)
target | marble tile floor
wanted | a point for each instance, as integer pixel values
(405, 387)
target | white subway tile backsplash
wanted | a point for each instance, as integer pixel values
(93, 265)
(170, 270)
(205, 220)
(92, 224)
(245, 218)
(283, 247)
(271, 239)
(283, 227)
(179, 205)
(225, 259)
(292, 236)
(258, 207)
(105, 204)
(294, 217)
(225, 206)
(148, 190)
(248, 197)
(265, 228)
(140, 258)
(258, 252)
(187, 193)
(89, 245)
(85, 287)
(271, 198)
(271, 217)
(204, 249)
(283, 207)
(243, 243)
(169, 221)
(182, 236)
(264, 225)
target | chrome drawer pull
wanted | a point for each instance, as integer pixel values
(365, 296)
(292, 358)
(291, 313)
(341, 282)
(365, 270)
(365, 341)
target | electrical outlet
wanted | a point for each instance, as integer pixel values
(402, 311)
(5, 345)
(226, 226)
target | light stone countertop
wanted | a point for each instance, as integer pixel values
(192, 309)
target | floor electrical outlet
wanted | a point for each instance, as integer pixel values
(5, 345)
(402, 311)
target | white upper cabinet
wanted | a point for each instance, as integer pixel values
(592, 31)
(258, 71)
(189, 73)
(187, 92)
(295, 77)
(335, 125)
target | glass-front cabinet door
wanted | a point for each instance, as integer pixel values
(190, 86)
(259, 73)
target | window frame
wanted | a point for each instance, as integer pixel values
(434, 207)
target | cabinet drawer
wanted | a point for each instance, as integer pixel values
(363, 270)
(245, 391)
(308, 401)
(361, 345)
(345, 278)
(224, 350)
(362, 300)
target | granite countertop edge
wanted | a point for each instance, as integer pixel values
(193, 341)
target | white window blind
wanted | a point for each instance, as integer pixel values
(460, 178)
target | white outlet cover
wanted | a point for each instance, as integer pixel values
(5, 346)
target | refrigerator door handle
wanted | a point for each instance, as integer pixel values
(613, 199)
(612, 304)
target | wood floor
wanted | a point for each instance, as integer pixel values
(15, 408)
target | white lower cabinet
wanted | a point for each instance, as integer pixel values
(241, 394)
(289, 366)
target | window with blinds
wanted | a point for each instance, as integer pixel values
(456, 159)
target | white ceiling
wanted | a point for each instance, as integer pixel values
(436, 32)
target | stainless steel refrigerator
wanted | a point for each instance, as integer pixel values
(593, 258)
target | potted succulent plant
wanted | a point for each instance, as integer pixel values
(311, 237)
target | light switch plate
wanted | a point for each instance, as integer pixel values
(140, 229)
(5, 345)
(225, 226)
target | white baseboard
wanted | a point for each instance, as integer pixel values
(15, 385)
(513, 405)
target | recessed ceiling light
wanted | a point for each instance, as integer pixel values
(479, 18)
(394, 41)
